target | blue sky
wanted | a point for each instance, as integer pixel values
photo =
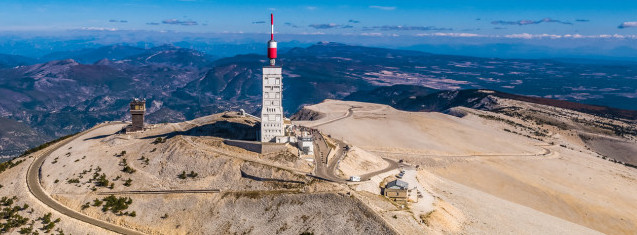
(459, 18)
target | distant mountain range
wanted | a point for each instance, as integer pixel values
(77, 89)
(423, 99)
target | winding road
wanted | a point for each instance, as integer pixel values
(33, 183)
(349, 113)
(326, 168)
(321, 152)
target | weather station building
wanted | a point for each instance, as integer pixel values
(137, 111)
(272, 118)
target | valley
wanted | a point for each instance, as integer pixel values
(73, 91)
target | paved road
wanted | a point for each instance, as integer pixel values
(33, 183)
(326, 168)
(321, 151)
(392, 166)
(338, 156)
(176, 191)
(349, 113)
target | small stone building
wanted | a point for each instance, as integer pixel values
(396, 190)
(137, 110)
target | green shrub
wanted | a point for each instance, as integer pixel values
(129, 170)
(9, 164)
(100, 180)
(128, 182)
(192, 174)
(115, 204)
(97, 202)
(73, 181)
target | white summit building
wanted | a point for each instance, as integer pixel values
(271, 109)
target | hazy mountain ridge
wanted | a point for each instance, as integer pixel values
(16, 137)
(415, 98)
(7, 61)
(65, 96)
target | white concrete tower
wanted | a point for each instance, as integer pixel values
(271, 107)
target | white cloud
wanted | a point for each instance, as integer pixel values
(531, 36)
(312, 33)
(98, 29)
(311, 8)
(372, 34)
(462, 35)
(384, 8)
(628, 25)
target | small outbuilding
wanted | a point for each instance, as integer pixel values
(396, 190)
(306, 144)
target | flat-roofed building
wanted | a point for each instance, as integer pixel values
(396, 190)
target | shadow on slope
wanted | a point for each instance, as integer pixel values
(220, 129)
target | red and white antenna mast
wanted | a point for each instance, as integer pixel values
(272, 43)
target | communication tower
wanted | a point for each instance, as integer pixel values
(271, 108)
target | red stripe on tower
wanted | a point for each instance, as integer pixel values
(272, 43)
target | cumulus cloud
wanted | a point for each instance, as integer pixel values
(180, 22)
(384, 8)
(118, 21)
(152, 23)
(530, 22)
(258, 22)
(404, 28)
(353, 21)
(628, 25)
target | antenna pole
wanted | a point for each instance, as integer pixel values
(271, 26)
